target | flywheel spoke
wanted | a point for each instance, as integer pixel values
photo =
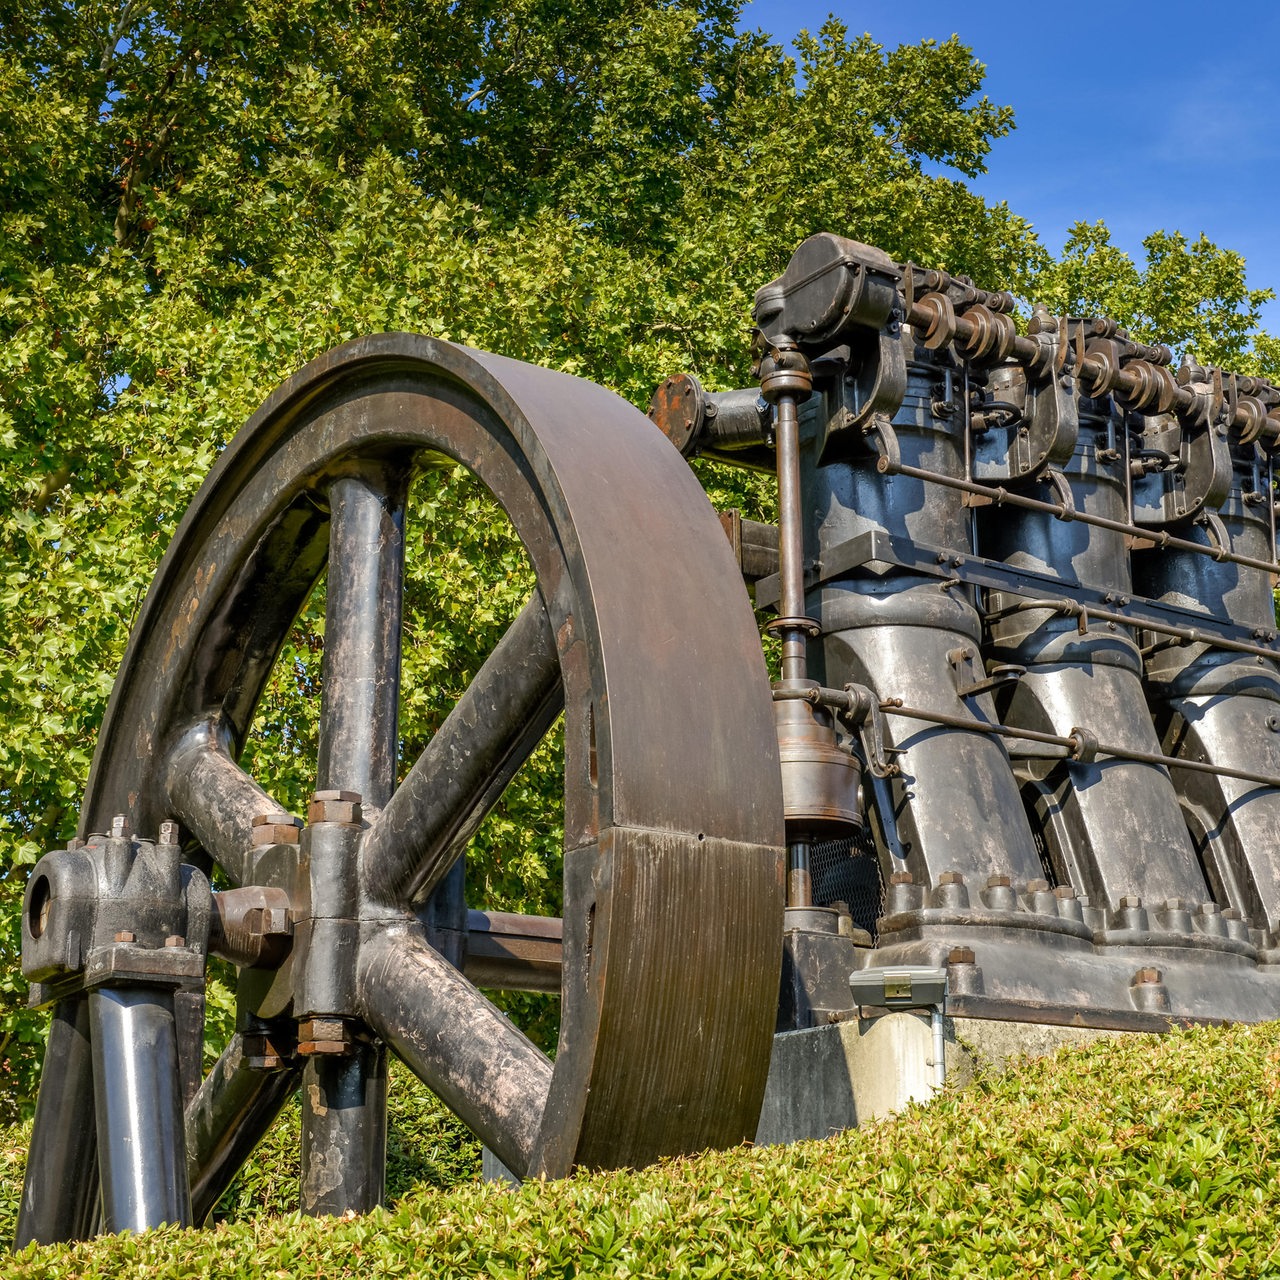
(361, 673)
(215, 799)
(504, 713)
(467, 1052)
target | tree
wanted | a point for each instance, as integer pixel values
(1190, 295)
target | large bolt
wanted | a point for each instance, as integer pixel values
(335, 806)
(1130, 901)
(961, 955)
(901, 877)
(997, 882)
(1147, 978)
(951, 877)
(276, 828)
(120, 827)
(1037, 886)
(168, 833)
(125, 935)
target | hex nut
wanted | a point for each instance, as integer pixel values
(335, 806)
(126, 935)
(1130, 901)
(951, 877)
(961, 955)
(901, 877)
(1147, 977)
(275, 828)
(1037, 886)
(997, 882)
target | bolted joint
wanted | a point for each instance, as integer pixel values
(252, 926)
(275, 828)
(335, 806)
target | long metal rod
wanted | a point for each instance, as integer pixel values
(504, 712)
(790, 542)
(1188, 635)
(60, 1187)
(480, 1066)
(999, 495)
(141, 1142)
(225, 1121)
(895, 707)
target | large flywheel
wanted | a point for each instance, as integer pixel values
(639, 630)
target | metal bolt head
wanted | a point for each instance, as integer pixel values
(1065, 892)
(951, 877)
(1037, 886)
(901, 877)
(125, 936)
(997, 882)
(175, 940)
(961, 955)
(168, 833)
(1208, 909)
(1147, 977)
(120, 827)
(1130, 901)
(1174, 904)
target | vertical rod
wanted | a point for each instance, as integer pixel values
(60, 1189)
(142, 1155)
(361, 672)
(344, 1131)
(790, 540)
(939, 1046)
(799, 875)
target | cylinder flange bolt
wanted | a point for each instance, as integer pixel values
(175, 940)
(1148, 978)
(126, 935)
(120, 827)
(901, 877)
(961, 955)
(997, 882)
(169, 833)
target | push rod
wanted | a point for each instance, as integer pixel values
(1072, 745)
(1187, 635)
(1000, 495)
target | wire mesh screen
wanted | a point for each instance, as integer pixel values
(848, 871)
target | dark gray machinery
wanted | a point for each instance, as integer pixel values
(1040, 567)
(1027, 728)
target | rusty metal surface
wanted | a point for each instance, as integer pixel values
(673, 897)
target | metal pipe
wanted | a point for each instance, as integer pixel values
(225, 1121)
(1063, 512)
(799, 875)
(344, 1131)
(141, 1145)
(504, 712)
(60, 1187)
(1072, 745)
(461, 1047)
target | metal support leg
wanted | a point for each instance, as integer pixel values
(344, 1131)
(141, 1147)
(60, 1190)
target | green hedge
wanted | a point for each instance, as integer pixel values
(1139, 1157)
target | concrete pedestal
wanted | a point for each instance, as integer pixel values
(826, 1079)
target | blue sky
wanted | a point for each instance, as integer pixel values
(1146, 116)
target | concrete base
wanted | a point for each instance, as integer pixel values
(826, 1079)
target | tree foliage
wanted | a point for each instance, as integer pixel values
(198, 197)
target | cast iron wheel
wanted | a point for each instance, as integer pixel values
(639, 628)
